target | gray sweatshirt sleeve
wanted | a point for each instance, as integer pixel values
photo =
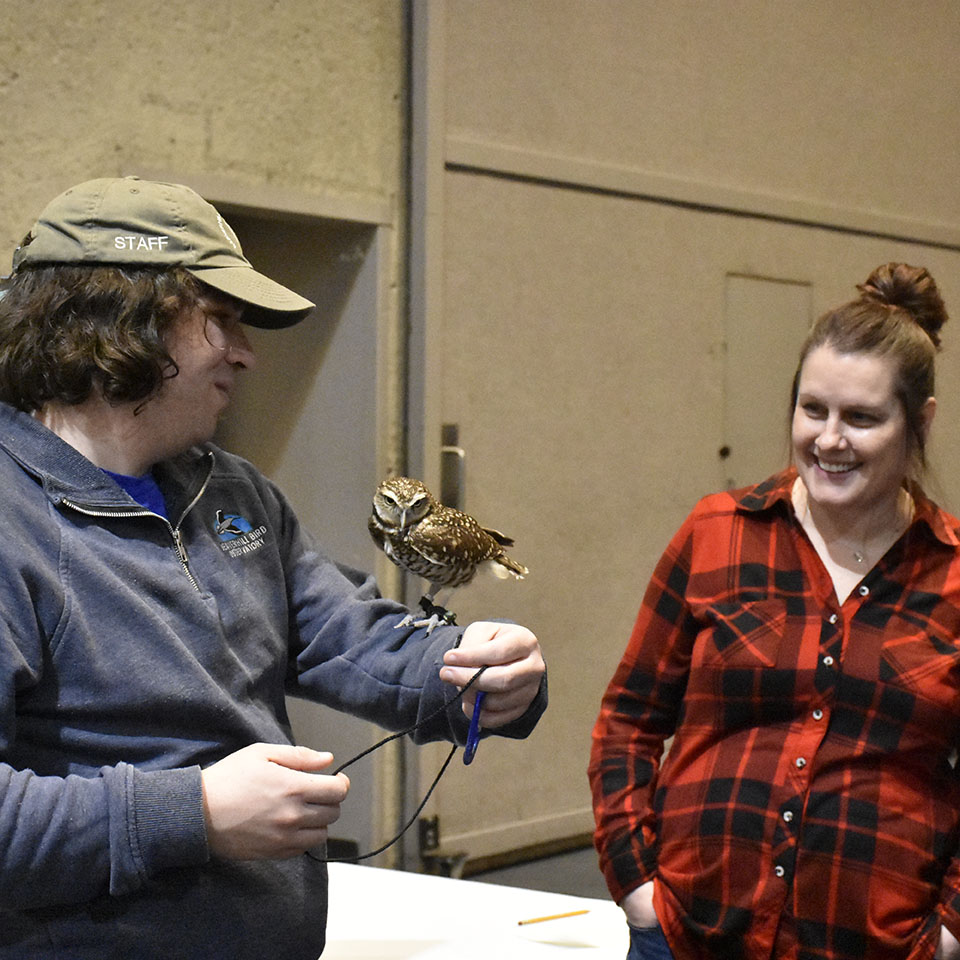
(71, 839)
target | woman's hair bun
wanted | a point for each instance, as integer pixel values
(911, 289)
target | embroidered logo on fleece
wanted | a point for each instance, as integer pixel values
(237, 535)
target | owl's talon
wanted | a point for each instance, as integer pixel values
(435, 616)
(431, 624)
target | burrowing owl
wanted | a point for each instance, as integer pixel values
(438, 543)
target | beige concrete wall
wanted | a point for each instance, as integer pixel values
(297, 94)
(839, 105)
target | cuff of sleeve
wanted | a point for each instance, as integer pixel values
(625, 868)
(162, 826)
(171, 828)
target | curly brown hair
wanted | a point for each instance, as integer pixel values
(67, 331)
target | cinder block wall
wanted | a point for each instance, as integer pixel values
(299, 94)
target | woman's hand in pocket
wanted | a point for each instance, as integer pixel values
(949, 948)
(638, 906)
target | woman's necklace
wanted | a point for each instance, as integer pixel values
(874, 542)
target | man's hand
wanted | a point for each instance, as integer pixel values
(269, 802)
(515, 667)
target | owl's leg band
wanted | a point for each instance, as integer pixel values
(432, 609)
(435, 615)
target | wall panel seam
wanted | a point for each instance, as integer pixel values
(521, 164)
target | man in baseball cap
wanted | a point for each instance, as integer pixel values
(159, 598)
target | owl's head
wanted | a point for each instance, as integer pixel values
(401, 502)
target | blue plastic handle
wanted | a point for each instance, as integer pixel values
(473, 734)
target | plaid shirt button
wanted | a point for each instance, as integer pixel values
(818, 714)
(828, 661)
(778, 870)
(801, 763)
(863, 590)
(833, 618)
(788, 815)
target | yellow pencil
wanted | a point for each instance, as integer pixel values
(553, 916)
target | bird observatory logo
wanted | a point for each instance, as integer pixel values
(237, 535)
(443, 545)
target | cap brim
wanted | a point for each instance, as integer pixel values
(269, 304)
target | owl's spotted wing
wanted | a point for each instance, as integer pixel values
(450, 537)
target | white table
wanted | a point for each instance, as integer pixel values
(380, 914)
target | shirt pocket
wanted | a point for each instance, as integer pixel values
(923, 663)
(744, 634)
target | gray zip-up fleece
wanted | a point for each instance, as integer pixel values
(133, 652)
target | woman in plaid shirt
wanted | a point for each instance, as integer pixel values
(799, 640)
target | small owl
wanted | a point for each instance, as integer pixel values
(438, 543)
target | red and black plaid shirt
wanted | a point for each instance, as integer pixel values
(808, 807)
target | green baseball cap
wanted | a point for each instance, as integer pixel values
(144, 223)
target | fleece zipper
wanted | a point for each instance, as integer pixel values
(179, 546)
